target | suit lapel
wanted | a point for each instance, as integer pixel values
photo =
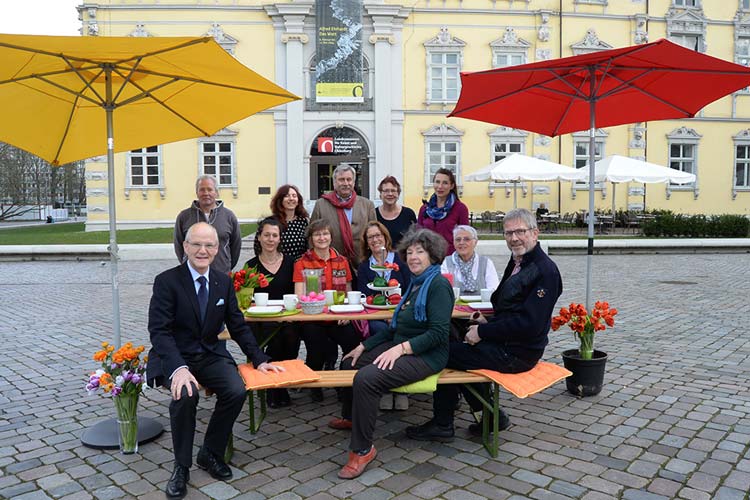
(189, 286)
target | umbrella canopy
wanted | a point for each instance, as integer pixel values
(517, 168)
(55, 92)
(616, 168)
(653, 81)
(63, 98)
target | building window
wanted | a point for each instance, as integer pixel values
(444, 69)
(442, 150)
(217, 159)
(581, 146)
(688, 41)
(501, 150)
(505, 59)
(682, 144)
(742, 166)
(682, 157)
(509, 50)
(145, 167)
(745, 4)
(444, 56)
(687, 27)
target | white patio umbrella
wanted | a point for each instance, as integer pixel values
(616, 169)
(517, 168)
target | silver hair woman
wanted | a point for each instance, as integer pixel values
(471, 272)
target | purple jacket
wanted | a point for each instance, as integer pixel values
(459, 215)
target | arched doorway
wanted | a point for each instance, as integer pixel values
(333, 146)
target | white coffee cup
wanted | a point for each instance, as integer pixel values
(486, 294)
(261, 299)
(395, 291)
(330, 296)
(290, 301)
(456, 292)
(355, 298)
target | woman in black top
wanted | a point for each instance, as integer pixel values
(288, 207)
(394, 217)
(274, 264)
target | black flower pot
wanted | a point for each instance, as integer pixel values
(588, 374)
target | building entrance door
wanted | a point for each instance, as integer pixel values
(331, 148)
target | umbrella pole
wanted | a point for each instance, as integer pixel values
(592, 158)
(614, 219)
(105, 434)
(109, 108)
(515, 194)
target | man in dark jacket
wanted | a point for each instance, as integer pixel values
(513, 340)
(189, 306)
(208, 209)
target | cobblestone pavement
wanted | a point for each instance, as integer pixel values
(673, 420)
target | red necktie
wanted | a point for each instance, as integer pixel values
(517, 267)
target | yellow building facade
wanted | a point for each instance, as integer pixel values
(412, 54)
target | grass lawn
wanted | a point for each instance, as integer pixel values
(74, 234)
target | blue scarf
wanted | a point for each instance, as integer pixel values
(439, 213)
(420, 304)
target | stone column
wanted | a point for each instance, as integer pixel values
(289, 20)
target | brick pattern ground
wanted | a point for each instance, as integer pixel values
(672, 421)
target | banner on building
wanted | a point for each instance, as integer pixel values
(338, 72)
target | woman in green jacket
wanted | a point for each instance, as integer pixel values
(413, 348)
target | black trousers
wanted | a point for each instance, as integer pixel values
(323, 339)
(462, 356)
(360, 402)
(284, 345)
(219, 374)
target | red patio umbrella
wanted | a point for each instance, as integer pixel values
(654, 81)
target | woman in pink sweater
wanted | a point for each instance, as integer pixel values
(444, 210)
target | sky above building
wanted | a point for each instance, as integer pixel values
(40, 17)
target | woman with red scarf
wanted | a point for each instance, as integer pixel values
(444, 210)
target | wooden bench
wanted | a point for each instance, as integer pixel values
(529, 381)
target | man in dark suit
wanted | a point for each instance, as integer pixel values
(189, 305)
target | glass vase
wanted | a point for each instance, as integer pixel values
(127, 422)
(587, 345)
(245, 298)
(312, 280)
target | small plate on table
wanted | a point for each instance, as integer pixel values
(386, 306)
(470, 298)
(264, 310)
(344, 309)
(480, 306)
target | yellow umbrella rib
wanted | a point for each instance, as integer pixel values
(55, 161)
(287, 95)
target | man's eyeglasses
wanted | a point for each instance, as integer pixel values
(207, 246)
(518, 232)
(374, 236)
(463, 239)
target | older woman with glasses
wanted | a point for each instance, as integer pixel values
(413, 348)
(376, 245)
(396, 218)
(471, 272)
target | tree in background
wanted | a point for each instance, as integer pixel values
(28, 183)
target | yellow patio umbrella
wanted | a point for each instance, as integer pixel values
(69, 98)
(62, 98)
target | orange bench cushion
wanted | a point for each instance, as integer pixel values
(296, 373)
(524, 384)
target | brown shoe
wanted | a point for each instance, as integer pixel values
(357, 463)
(340, 424)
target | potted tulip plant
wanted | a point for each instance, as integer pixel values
(246, 280)
(586, 363)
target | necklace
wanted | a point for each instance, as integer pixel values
(267, 262)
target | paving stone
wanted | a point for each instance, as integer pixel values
(631, 494)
